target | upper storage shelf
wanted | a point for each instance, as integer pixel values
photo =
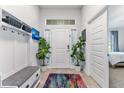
(11, 21)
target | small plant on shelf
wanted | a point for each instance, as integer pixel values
(43, 51)
(78, 52)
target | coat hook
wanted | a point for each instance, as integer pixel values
(12, 31)
(4, 29)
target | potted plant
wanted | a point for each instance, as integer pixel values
(78, 52)
(43, 51)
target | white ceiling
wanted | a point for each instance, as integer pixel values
(61, 6)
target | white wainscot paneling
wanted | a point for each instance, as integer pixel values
(6, 52)
(13, 51)
(21, 42)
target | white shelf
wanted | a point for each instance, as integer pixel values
(12, 27)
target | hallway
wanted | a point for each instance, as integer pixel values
(62, 39)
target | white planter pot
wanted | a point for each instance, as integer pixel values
(77, 68)
(82, 65)
(44, 68)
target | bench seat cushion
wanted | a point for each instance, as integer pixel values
(20, 77)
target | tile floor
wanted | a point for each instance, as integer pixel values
(88, 80)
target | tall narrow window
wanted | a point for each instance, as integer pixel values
(114, 41)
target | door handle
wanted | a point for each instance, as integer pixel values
(68, 47)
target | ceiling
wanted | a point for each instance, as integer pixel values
(61, 6)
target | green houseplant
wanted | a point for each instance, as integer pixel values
(43, 51)
(78, 51)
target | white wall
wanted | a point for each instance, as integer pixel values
(87, 12)
(116, 16)
(116, 22)
(16, 50)
(61, 14)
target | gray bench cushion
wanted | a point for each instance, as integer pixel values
(20, 77)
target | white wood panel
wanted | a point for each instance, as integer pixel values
(99, 80)
(97, 47)
(98, 54)
(98, 50)
(13, 51)
(98, 60)
(6, 52)
(21, 42)
(98, 40)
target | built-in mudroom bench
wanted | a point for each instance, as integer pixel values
(28, 77)
(17, 69)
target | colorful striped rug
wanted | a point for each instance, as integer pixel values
(56, 80)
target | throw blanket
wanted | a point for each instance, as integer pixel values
(116, 57)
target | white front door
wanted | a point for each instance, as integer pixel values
(60, 48)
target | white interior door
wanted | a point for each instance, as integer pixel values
(98, 50)
(60, 48)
